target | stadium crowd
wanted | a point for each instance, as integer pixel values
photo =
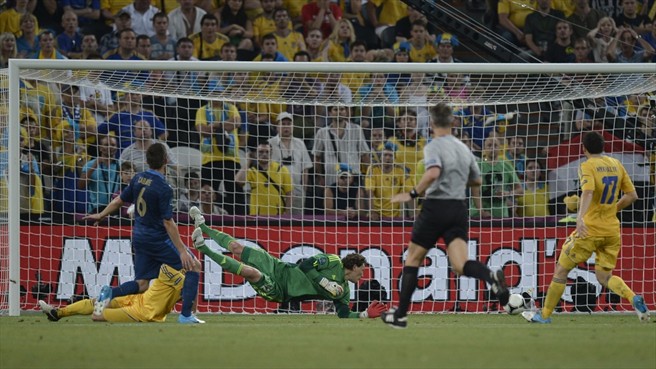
(81, 145)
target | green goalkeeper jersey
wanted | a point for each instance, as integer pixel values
(329, 266)
(312, 270)
(286, 281)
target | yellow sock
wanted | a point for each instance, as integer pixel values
(82, 307)
(617, 285)
(554, 293)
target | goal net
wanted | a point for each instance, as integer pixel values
(303, 158)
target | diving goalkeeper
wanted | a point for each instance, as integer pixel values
(150, 306)
(320, 277)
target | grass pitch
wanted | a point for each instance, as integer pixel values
(308, 341)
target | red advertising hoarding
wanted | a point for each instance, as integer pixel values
(77, 259)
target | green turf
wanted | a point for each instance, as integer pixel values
(247, 341)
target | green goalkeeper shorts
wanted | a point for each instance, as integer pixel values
(267, 287)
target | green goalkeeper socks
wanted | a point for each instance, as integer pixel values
(221, 238)
(226, 262)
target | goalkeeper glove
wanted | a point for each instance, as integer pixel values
(374, 310)
(197, 237)
(333, 287)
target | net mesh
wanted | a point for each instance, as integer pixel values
(343, 124)
(304, 88)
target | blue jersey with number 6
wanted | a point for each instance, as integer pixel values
(152, 197)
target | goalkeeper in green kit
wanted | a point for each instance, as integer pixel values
(320, 277)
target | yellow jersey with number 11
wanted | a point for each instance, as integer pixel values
(606, 177)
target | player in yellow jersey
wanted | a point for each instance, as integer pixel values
(150, 306)
(597, 229)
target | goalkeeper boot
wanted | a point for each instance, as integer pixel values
(49, 310)
(102, 301)
(500, 288)
(197, 216)
(389, 317)
(191, 319)
(641, 308)
(535, 317)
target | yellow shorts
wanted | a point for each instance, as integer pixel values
(577, 250)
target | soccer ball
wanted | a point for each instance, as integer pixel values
(516, 304)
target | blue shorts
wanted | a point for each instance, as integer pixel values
(148, 257)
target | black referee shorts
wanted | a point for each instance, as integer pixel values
(446, 219)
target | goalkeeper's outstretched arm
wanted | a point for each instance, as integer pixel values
(373, 311)
(352, 266)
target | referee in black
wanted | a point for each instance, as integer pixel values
(450, 168)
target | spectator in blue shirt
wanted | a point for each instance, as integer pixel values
(127, 47)
(88, 15)
(270, 46)
(70, 41)
(121, 124)
(100, 176)
(28, 43)
(650, 38)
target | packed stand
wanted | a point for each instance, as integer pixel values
(81, 144)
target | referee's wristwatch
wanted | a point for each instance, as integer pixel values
(414, 194)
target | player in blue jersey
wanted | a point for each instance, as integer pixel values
(155, 236)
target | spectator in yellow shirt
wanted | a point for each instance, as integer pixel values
(383, 15)
(270, 183)
(339, 42)
(208, 42)
(421, 50)
(512, 17)
(264, 23)
(383, 181)
(10, 18)
(289, 41)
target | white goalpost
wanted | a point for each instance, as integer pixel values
(524, 122)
